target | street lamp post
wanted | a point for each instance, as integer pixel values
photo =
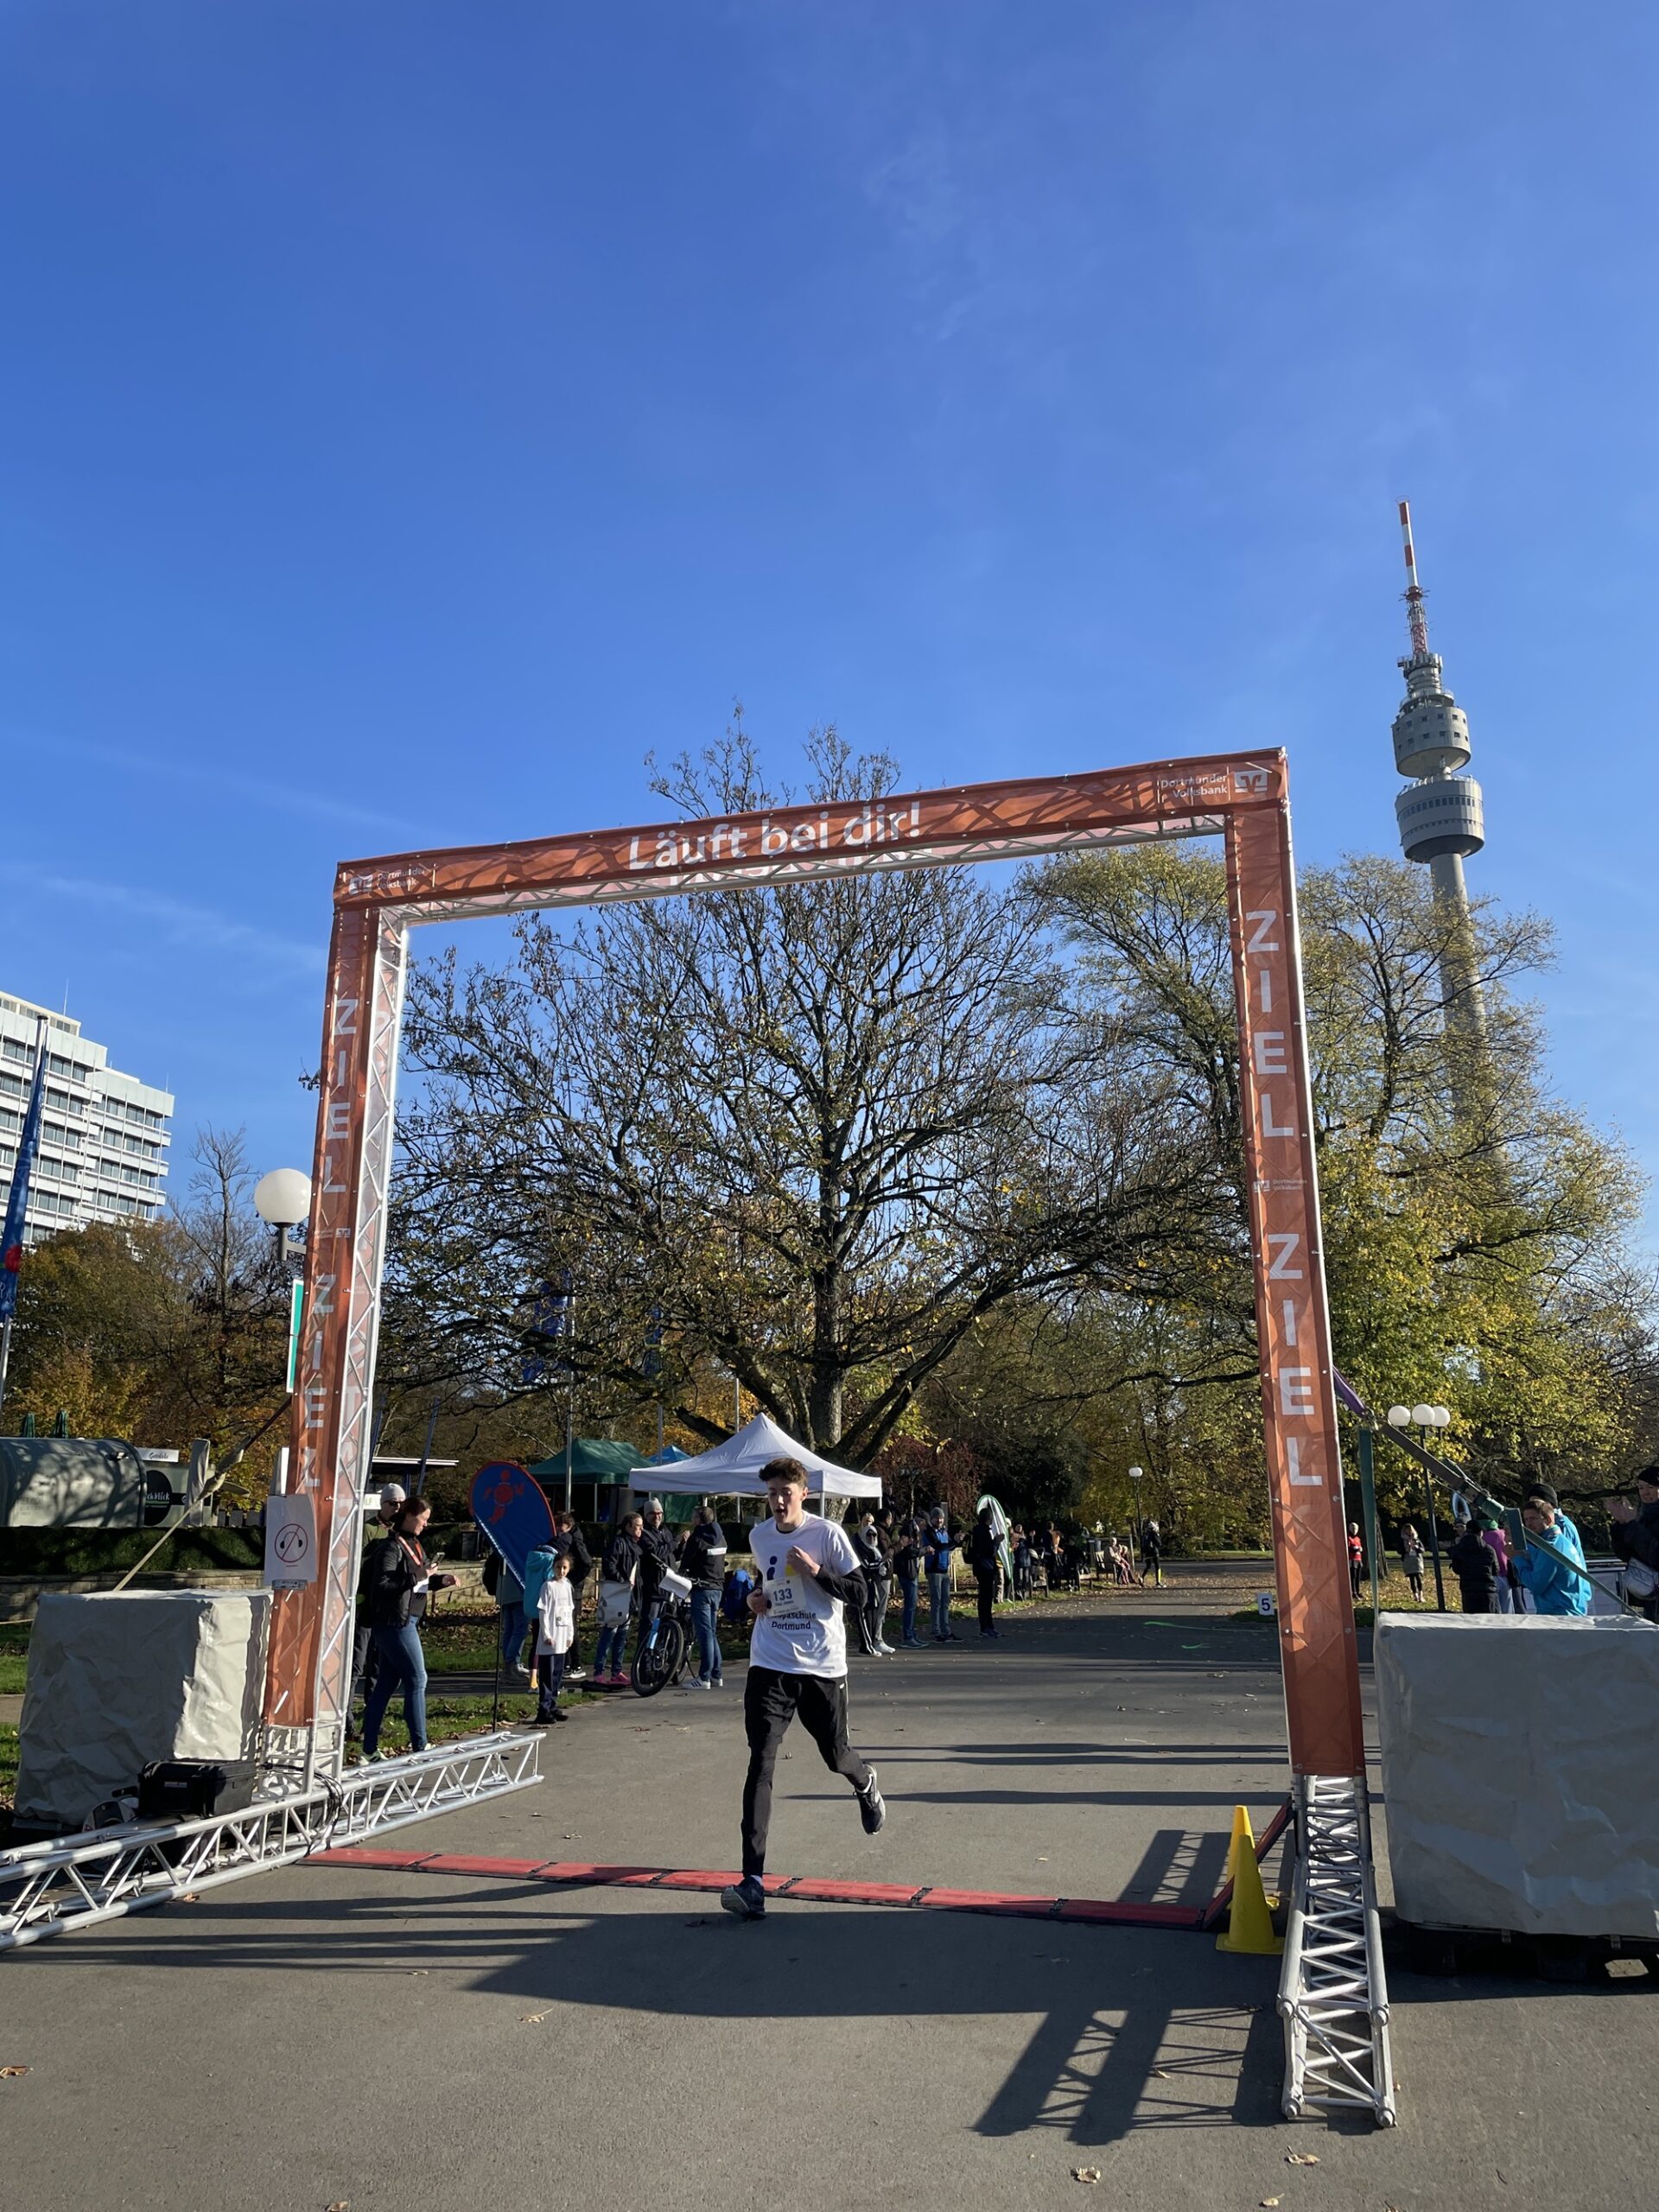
(1137, 1474)
(283, 1199)
(1434, 1417)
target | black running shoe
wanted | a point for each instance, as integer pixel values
(873, 1807)
(746, 1899)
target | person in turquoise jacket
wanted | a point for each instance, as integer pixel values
(538, 1567)
(1556, 1588)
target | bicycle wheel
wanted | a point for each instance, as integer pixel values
(676, 1647)
(653, 1663)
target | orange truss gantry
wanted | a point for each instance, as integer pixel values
(1242, 797)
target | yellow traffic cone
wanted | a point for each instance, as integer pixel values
(1249, 1924)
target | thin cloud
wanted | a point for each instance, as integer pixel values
(199, 774)
(201, 927)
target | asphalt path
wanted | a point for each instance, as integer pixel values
(325, 2036)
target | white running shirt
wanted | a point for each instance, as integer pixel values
(804, 1631)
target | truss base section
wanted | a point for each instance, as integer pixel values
(77, 1881)
(1333, 1996)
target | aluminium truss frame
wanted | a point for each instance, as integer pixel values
(1334, 1995)
(47, 1888)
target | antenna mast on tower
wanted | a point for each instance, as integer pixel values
(1439, 814)
(1415, 614)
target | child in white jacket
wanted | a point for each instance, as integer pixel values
(556, 1631)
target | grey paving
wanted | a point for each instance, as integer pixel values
(319, 2036)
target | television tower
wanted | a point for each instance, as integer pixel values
(1440, 814)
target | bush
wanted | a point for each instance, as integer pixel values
(107, 1551)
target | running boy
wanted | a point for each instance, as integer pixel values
(797, 1665)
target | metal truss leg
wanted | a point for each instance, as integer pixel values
(47, 1888)
(1333, 1997)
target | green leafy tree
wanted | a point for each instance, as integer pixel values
(1475, 1228)
(161, 1332)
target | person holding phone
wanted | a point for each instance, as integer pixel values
(808, 1571)
(397, 1581)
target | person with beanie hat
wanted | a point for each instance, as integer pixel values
(1556, 1587)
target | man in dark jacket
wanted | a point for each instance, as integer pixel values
(657, 1550)
(1635, 1539)
(1475, 1563)
(618, 1575)
(568, 1538)
(982, 1558)
(703, 1561)
(938, 1541)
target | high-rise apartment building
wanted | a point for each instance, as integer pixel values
(104, 1135)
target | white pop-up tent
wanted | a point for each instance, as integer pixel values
(732, 1469)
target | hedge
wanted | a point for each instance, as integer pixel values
(107, 1551)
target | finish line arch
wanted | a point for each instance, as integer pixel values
(1244, 797)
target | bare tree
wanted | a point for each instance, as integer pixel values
(815, 1133)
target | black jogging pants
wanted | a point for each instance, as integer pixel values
(771, 1702)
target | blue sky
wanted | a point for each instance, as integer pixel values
(415, 413)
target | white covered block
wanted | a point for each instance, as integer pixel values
(1518, 1771)
(119, 1678)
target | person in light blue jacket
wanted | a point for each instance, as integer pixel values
(1556, 1588)
(538, 1567)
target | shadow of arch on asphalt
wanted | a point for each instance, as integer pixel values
(1108, 2030)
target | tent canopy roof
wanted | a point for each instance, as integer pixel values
(593, 1458)
(732, 1469)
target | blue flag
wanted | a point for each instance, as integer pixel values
(11, 1237)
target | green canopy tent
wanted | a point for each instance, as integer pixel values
(595, 1459)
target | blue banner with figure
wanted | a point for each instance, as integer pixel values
(11, 1237)
(511, 1510)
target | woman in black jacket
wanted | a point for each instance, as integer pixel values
(396, 1580)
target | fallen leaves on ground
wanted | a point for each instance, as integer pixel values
(189, 1898)
(1160, 2074)
(1301, 2157)
(415, 1973)
(12, 2073)
(1266, 2201)
(341, 2204)
(532, 2019)
(1086, 2173)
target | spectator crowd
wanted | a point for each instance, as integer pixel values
(914, 1557)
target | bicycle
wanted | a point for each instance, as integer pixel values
(666, 1645)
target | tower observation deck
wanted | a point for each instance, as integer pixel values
(1440, 813)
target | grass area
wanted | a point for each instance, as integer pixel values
(449, 1718)
(1394, 1592)
(12, 1671)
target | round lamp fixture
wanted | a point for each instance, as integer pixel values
(1424, 1416)
(283, 1197)
(1399, 1416)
